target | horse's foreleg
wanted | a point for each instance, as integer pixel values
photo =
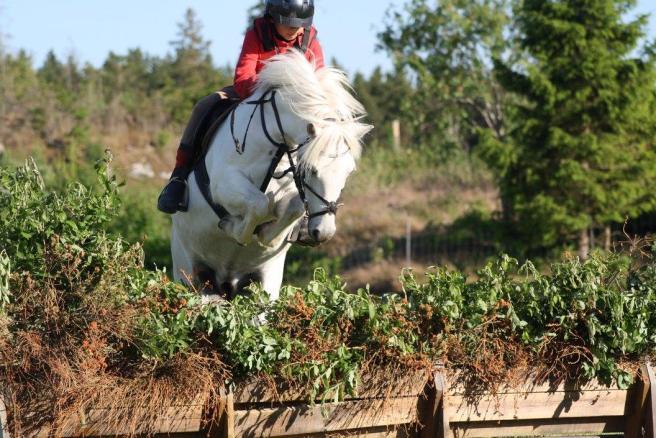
(272, 273)
(288, 210)
(249, 208)
(182, 263)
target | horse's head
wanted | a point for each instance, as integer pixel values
(317, 111)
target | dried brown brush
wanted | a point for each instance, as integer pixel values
(71, 349)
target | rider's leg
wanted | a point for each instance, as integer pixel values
(173, 197)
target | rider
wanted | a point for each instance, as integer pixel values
(286, 24)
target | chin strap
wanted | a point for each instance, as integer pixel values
(265, 30)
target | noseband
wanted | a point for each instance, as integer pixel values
(284, 148)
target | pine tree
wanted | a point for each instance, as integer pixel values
(192, 71)
(582, 155)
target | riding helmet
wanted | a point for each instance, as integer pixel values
(292, 13)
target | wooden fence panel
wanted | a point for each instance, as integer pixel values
(334, 417)
(416, 408)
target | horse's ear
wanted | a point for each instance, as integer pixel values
(311, 130)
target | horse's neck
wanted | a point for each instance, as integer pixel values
(257, 154)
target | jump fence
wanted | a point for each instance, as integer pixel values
(406, 404)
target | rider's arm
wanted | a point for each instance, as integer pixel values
(246, 70)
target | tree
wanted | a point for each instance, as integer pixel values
(582, 154)
(386, 97)
(191, 70)
(449, 46)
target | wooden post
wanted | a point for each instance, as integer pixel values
(444, 430)
(430, 412)
(396, 135)
(228, 422)
(636, 405)
(650, 424)
(222, 423)
(4, 433)
(408, 243)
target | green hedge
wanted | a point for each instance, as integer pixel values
(583, 320)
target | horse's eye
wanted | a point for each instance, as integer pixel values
(311, 130)
(314, 171)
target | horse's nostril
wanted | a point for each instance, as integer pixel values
(316, 234)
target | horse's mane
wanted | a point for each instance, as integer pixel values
(320, 97)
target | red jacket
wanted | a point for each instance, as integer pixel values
(253, 55)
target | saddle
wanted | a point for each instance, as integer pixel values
(216, 117)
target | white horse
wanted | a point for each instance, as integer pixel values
(309, 121)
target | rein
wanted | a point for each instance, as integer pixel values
(283, 149)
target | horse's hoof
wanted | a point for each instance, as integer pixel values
(209, 299)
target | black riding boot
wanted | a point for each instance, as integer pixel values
(174, 197)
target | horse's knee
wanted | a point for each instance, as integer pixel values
(262, 206)
(296, 207)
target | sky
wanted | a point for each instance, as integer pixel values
(90, 29)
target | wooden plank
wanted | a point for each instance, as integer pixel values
(650, 423)
(336, 417)
(377, 432)
(456, 387)
(569, 428)
(379, 383)
(636, 405)
(538, 405)
(176, 420)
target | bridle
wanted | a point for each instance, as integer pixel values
(283, 148)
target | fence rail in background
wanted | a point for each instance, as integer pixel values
(439, 246)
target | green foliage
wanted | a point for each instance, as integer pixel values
(321, 337)
(387, 97)
(34, 218)
(581, 155)
(167, 328)
(139, 222)
(448, 45)
(302, 262)
(596, 311)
